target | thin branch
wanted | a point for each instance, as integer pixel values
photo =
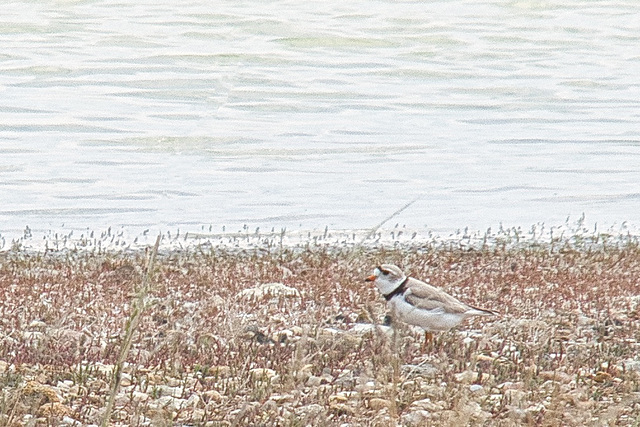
(129, 329)
(390, 217)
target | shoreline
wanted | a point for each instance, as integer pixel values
(112, 239)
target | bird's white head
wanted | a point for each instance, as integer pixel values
(387, 277)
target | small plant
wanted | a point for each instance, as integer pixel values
(201, 352)
(129, 330)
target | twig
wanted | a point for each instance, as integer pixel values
(129, 329)
(393, 215)
(373, 230)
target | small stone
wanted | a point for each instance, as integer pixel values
(311, 411)
(417, 418)
(348, 394)
(198, 414)
(313, 381)
(297, 330)
(269, 406)
(377, 403)
(584, 320)
(425, 370)
(535, 409)
(64, 386)
(261, 374)
(138, 396)
(122, 399)
(304, 373)
(41, 391)
(629, 365)
(475, 388)
(286, 272)
(170, 403)
(281, 398)
(338, 398)
(602, 377)
(54, 409)
(517, 414)
(193, 401)
(496, 397)
(219, 371)
(475, 410)
(105, 370)
(466, 377)
(468, 341)
(330, 332)
(165, 390)
(513, 396)
(217, 301)
(154, 379)
(365, 328)
(97, 400)
(37, 324)
(485, 358)
(559, 376)
(426, 405)
(212, 395)
(273, 290)
(282, 336)
(507, 385)
(173, 382)
(342, 409)
(326, 378)
(68, 421)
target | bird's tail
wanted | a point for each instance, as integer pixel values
(475, 311)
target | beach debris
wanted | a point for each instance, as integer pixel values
(269, 290)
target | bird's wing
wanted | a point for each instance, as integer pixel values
(422, 295)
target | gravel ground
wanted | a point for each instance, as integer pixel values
(293, 336)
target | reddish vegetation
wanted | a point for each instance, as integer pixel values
(564, 352)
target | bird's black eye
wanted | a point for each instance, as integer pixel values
(385, 272)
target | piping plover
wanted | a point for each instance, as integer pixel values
(418, 303)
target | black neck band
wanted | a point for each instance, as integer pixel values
(397, 291)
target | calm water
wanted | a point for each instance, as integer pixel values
(185, 115)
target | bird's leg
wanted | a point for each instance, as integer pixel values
(428, 340)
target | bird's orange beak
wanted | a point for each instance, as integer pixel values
(371, 278)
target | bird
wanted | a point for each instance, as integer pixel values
(420, 304)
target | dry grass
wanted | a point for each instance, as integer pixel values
(215, 349)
